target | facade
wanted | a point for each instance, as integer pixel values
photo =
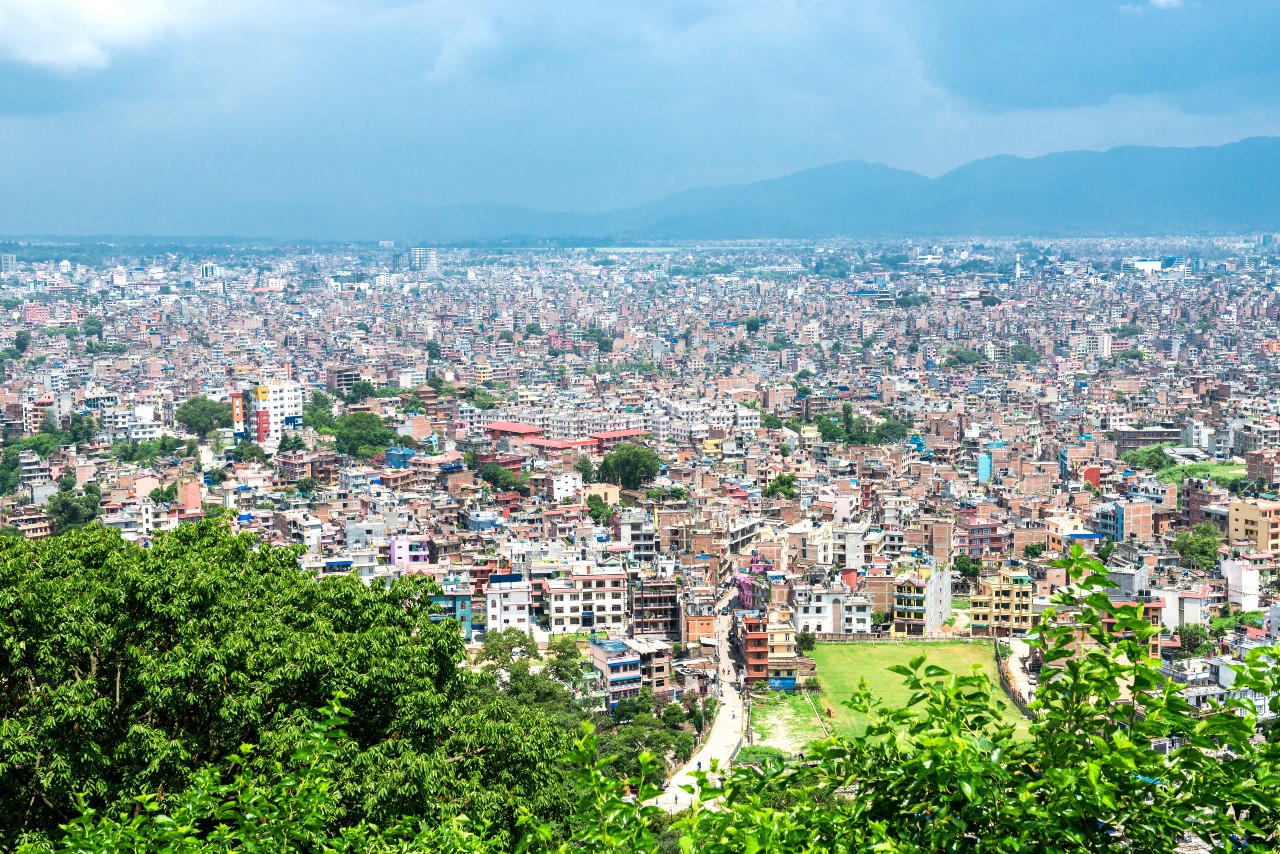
(655, 604)
(1001, 606)
(508, 601)
(921, 601)
(1256, 520)
(619, 668)
(829, 608)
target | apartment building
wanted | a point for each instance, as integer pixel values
(1256, 520)
(655, 606)
(619, 668)
(829, 606)
(1001, 606)
(508, 603)
(921, 601)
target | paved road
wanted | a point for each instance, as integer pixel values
(1019, 653)
(726, 730)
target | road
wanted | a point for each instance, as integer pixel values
(726, 730)
(1019, 653)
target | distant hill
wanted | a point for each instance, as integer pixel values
(1125, 191)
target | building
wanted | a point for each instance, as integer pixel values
(655, 665)
(1256, 520)
(1198, 493)
(1001, 606)
(508, 603)
(655, 607)
(751, 643)
(978, 536)
(1263, 467)
(921, 601)
(273, 406)
(619, 668)
(8, 263)
(1126, 519)
(783, 665)
(829, 607)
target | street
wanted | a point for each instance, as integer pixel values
(726, 730)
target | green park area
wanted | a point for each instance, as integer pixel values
(842, 665)
(1221, 473)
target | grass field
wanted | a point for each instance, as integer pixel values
(1218, 471)
(784, 720)
(842, 665)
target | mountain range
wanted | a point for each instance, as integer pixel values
(1130, 190)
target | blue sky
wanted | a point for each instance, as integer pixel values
(221, 116)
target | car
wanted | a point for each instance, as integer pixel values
(1033, 679)
(724, 612)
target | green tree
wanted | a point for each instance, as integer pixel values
(291, 442)
(599, 511)
(247, 452)
(201, 416)
(22, 341)
(752, 325)
(1106, 549)
(500, 478)
(806, 641)
(966, 566)
(127, 670)
(533, 328)
(784, 485)
(1199, 546)
(361, 390)
(358, 432)
(502, 648)
(1025, 354)
(1151, 457)
(630, 466)
(317, 413)
(92, 327)
(1194, 641)
(433, 351)
(70, 508)
(586, 468)
(891, 431)
(1033, 550)
(564, 662)
(306, 486)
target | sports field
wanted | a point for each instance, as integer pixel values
(842, 665)
(1220, 472)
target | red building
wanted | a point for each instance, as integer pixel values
(512, 430)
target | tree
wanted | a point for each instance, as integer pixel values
(247, 452)
(784, 485)
(290, 442)
(1151, 457)
(317, 413)
(1194, 641)
(533, 328)
(585, 467)
(499, 478)
(433, 351)
(201, 416)
(129, 671)
(70, 508)
(564, 662)
(630, 466)
(502, 648)
(806, 641)
(598, 510)
(1199, 546)
(879, 618)
(306, 486)
(1107, 549)
(1024, 354)
(966, 566)
(989, 300)
(92, 327)
(22, 341)
(362, 434)
(361, 390)
(891, 431)
(753, 325)
(1033, 550)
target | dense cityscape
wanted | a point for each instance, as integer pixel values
(697, 479)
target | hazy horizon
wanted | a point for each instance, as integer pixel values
(194, 117)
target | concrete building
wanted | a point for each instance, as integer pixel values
(1255, 520)
(508, 603)
(1001, 606)
(619, 668)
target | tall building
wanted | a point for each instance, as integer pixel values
(427, 260)
(8, 263)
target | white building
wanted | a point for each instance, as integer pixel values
(508, 601)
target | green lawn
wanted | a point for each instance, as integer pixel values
(1217, 471)
(784, 720)
(842, 665)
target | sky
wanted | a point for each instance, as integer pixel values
(248, 116)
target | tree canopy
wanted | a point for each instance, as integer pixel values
(629, 466)
(362, 434)
(200, 415)
(1199, 546)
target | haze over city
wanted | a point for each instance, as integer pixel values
(196, 117)
(714, 426)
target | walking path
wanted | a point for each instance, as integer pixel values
(726, 730)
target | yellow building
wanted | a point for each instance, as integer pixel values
(1059, 531)
(1002, 605)
(1253, 519)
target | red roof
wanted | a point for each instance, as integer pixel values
(514, 427)
(618, 434)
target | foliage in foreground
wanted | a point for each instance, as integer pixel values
(942, 774)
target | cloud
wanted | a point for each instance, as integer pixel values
(69, 35)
